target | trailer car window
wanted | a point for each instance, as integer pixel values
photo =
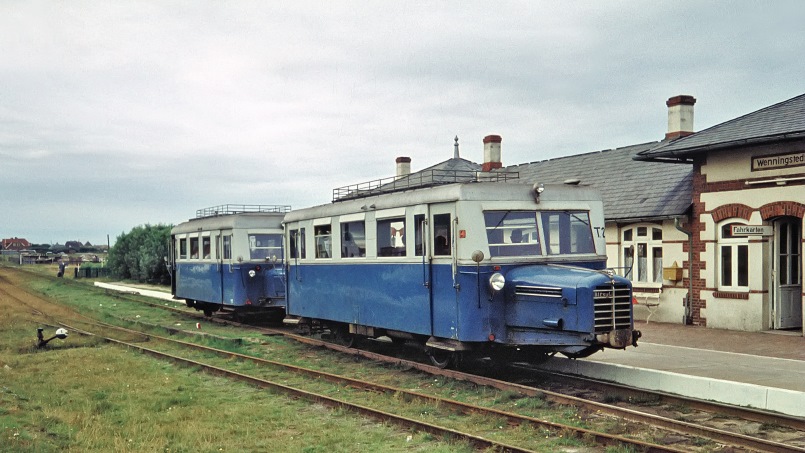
(265, 246)
(227, 247)
(298, 243)
(512, 233)
(205, 247)
(323, 241)
(194, 248)
(183, 248)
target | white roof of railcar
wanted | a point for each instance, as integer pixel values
(470, 191)
(250, 220)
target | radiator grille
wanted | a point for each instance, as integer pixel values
(543, 291)
(613, 307)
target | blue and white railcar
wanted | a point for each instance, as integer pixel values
(485, 268)
(230, 258)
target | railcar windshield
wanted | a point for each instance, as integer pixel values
(512, 233)
(517, 233)
(264, 246)
(567, 232)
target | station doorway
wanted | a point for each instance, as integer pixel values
(787, 273)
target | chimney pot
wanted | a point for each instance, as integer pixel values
(403, 166)
(492, 153)
(680, 116)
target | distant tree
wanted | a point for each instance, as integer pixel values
(138, 254)
(40, 248)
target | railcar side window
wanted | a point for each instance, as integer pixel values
(353, 239)
(183, 248)
(194, 248)
(298, 243)
(391, 237)
(227, 247)
(419, 224)
(265, 246)
(323, 241)
(205, 247)
(568, 232)
(441, 234)
(512, 233)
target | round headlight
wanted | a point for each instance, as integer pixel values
(252, 273)
(497, 281)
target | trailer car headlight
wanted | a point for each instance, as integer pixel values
(252, 273)
(496, 282)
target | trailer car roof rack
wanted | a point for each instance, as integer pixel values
(227, 209)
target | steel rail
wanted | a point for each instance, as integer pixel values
(513, 418)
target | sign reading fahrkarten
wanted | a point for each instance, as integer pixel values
(777, 161)
(752, 230)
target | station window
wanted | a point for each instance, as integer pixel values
(567, 232)
(183, 248)
(512, 233)
(733, 257)
(441, 234)
(194, 248)
(227, 246)
(353, 239)
(206, 247)
(298, 243)
(324, 243)
(391, 237)
(265, 246)
(642, 254)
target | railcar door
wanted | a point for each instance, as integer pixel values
(225, 260)
(444, 295)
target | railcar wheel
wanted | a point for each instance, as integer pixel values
(441, 358)
(190, 303)
(341, 336)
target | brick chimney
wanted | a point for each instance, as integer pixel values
(680, 116)
(492, 153)
(403, 166)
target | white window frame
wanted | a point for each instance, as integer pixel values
(652, 272)
(734, 244)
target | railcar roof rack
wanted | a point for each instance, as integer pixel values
(227, 209)
(427, 178)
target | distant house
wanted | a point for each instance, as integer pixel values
(73, 246)
(15, 243)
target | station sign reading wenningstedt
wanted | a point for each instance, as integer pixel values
(776, 161)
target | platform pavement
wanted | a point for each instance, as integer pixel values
(765, 370)
(164, 295)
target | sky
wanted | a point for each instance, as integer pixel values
(127, 113)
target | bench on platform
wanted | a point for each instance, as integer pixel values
(649, 300)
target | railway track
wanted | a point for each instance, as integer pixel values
(687, 428)
(479, 441)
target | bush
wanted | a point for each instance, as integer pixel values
(139, 254)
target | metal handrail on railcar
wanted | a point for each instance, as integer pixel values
(426, 178)
(228, 209)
